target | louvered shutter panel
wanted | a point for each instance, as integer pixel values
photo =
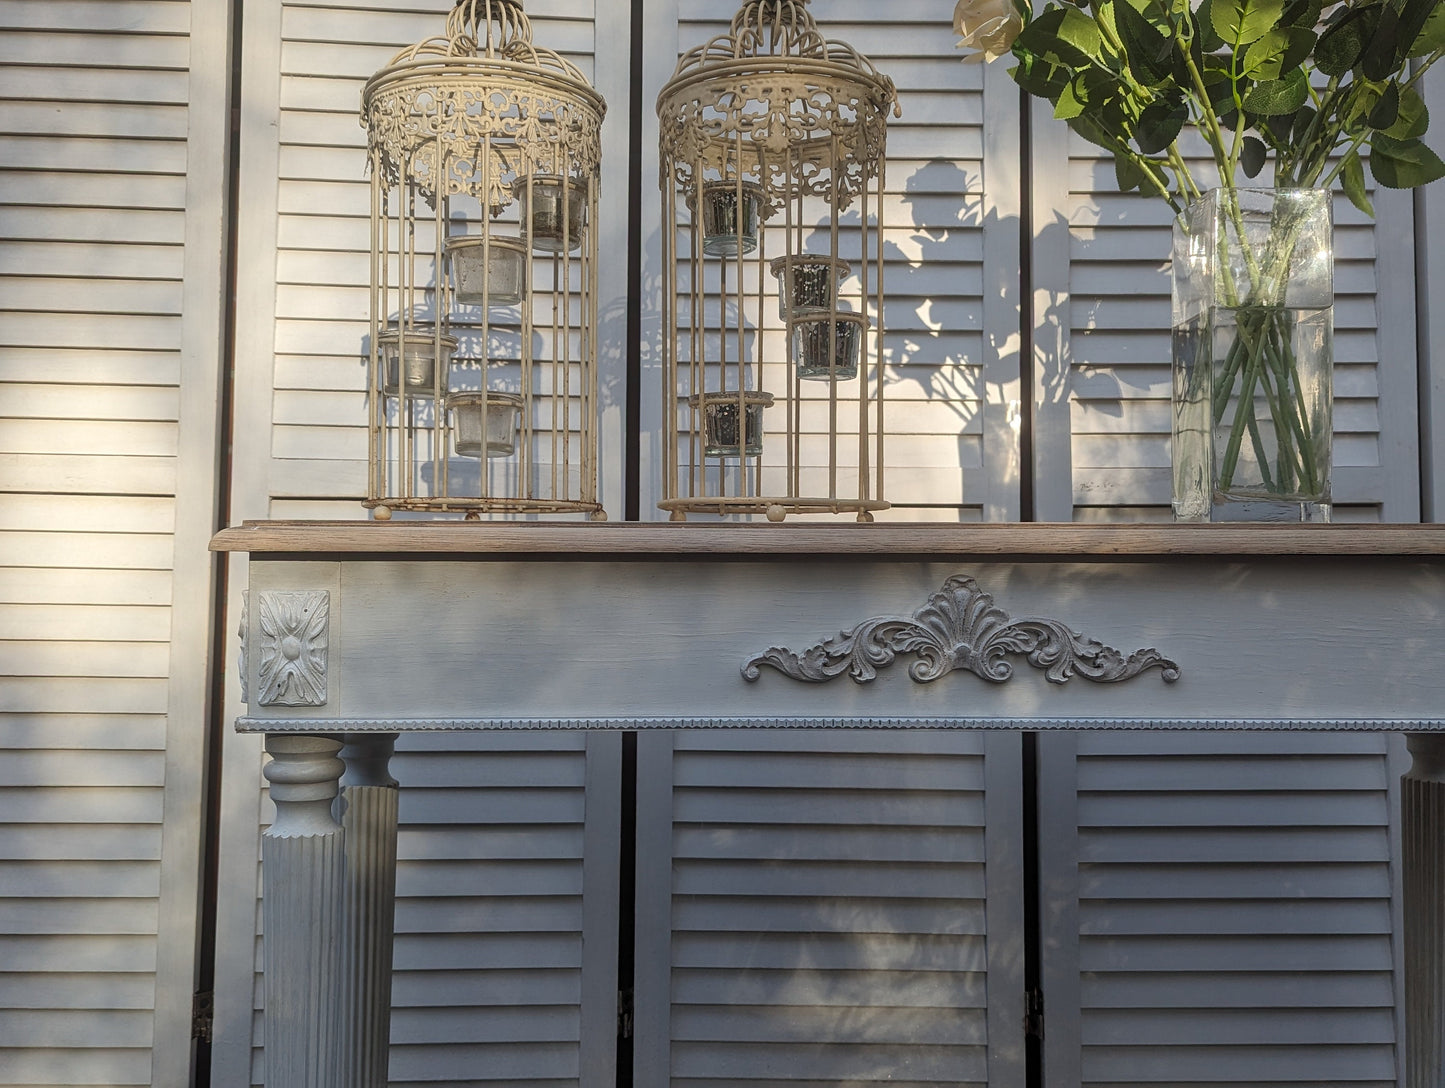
(111, 182)
(950, 208)
(1101, 330)
(817, 906)
(1218, 909)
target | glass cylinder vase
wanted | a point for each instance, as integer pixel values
(1252, 346)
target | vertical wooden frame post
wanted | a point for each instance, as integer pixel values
(1422, 820)
(368, 817)
(303, 867)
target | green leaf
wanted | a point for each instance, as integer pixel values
(1403, 164)
(1302, 14)
(1303, 118)
(1127, 172)
(1352, 178)
(1343, 44)
(1412, 119)
(1386, 110)
(1252, 156)
(1040, 78)
(1080, 31)
(1205, 37)
(1264, 59)
(1148, 50)
(1413, 16)
(1378, 60)
(1160, 124)
(1041, 38)
(1088, 126)
(1432, 35)
(1071, 102)
(1278, 96)
(1239, 22)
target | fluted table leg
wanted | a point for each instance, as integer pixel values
(1422, 807)
(369, 796)
(303, 871)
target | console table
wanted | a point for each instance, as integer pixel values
(357, 631)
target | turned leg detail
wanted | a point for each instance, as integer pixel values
(369, 808)
(303, 873)
(1422, 809)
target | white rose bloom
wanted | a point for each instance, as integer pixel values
(988, 26)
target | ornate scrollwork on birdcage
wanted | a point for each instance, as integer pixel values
(485, 156)
(768, 134)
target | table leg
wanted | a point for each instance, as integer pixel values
(303, 869)
(1422, 809)
(369, 796)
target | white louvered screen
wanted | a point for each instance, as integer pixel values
(493, 979)
(813, 908)
(1101, 262)
(110, 211)
(1218, 909)
(949, 454)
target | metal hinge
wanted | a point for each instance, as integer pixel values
(624, 1014)
(1034, 1013)
(203, 1014)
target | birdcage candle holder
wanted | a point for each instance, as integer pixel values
(808, 284)
(486, 270)
(772, 152)
(484, 153)
(485, 422)
(721, 412)
(826, 346)
(411, 358)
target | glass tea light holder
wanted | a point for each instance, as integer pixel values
(808, 284)
(413, 353)
(487, 271)
(485, 420)
(720, 422)
(730, 218)
(812, 337)
(544, 203)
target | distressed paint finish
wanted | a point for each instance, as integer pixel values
(508, 640)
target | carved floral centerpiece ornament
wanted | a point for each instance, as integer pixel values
(772, 172)
(484, 158)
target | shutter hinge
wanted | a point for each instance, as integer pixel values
(624, 1014)
(203, 1014)
(1034, 1013)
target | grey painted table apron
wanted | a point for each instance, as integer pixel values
(355, 632)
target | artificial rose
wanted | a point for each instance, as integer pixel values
(989, 26)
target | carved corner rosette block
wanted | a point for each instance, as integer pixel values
(291, 654)
(960, 627)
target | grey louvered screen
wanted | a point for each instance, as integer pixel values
(814, 907)
(1219, 908)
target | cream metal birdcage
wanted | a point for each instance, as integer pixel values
(484, 158)
(772, 172)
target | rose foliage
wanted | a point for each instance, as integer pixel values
(1308, 83)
